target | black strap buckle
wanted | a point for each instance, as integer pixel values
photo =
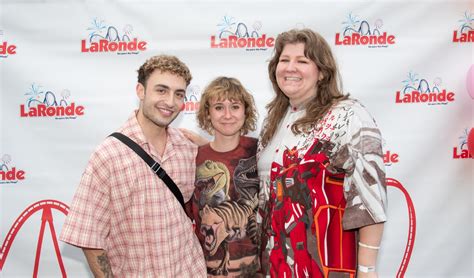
(158, 170)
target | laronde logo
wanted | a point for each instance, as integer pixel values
(236, 34)
(360, 32)
(41, 103)
(461, 151)
(390, 157)
(108, 38)
(191, 101)
(6, 48)
(45, 208)
(465, 33)
(420, 90)
(8, 173)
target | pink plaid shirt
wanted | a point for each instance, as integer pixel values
(123, 207)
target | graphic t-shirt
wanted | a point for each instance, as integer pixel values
(316, 188)
(224, 208)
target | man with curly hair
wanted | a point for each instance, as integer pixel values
(123, 216)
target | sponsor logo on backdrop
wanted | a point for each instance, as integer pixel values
(6, 48)
(390, 157)
(233, 33)
(48, 104)
(423, 90)
(465, 33)
(191, 101)
(9, 173)
(357, 31)
(108, 38)
(46, 208)
(461, 151)
(411, 226)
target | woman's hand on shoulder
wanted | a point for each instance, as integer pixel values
(194, 137)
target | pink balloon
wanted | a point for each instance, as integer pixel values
(470, 142)
(470, 81)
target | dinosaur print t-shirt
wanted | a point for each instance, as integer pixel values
(224, 208)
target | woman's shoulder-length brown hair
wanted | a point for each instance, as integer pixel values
(329, 87)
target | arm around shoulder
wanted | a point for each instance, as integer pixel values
(194, 137)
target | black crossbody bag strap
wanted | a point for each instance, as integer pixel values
(155, 166)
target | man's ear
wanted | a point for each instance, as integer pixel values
(140, 91)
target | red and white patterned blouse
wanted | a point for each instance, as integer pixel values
(316, 188)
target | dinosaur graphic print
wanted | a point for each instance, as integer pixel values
(224, 207)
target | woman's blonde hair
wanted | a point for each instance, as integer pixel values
(223, 88)
(329, 87)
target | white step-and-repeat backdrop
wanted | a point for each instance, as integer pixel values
(68, 76)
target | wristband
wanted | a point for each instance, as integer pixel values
(369, 246)
(366, 269)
